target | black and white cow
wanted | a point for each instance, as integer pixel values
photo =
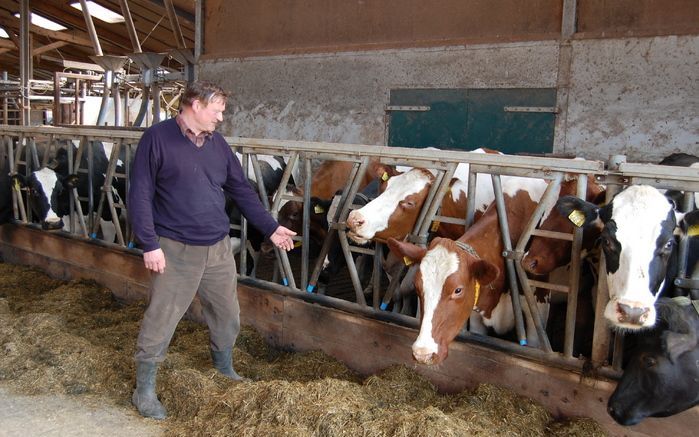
(49, 189)
(637, 237)
(271, 169)
(661, 377)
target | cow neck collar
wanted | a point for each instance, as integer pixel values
(468, 248)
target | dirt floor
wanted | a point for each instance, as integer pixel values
(66, 368)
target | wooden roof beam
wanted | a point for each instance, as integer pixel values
(48, 47)
(176, 29)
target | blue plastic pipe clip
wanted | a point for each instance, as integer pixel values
(383, 306)
(93, 235)
(310, 288)
(523, 342)
(285, 281)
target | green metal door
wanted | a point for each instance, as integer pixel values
(512, 120)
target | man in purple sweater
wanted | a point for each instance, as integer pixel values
(177, 209)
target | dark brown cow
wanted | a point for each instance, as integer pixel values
(330, 177)
(546, 254)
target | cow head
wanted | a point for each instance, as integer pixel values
(637, 239)
(48, 196)
(393, 214)
(546, 254)
(660, 378)
(447, 282)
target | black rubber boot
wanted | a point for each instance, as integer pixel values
(144, 397)
(223, 362)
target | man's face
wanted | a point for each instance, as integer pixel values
(207, 116)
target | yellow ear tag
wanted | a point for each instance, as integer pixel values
(477, 289)
(384, 177)
(297, 244)
(693, 230)
(577, 217)
(318, 209)
(407, 261)
(435, 226)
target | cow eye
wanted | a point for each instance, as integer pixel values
(457, 292)
(668, 245)
(649, 362)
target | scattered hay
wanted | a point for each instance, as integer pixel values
(75, 338)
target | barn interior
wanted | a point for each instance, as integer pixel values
(542, 81)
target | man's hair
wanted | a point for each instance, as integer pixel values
(203, 91)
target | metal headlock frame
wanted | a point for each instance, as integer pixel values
(445, 162)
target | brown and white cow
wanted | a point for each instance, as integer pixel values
(456, 277)
(394, 213)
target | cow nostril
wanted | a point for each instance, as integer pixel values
(632, 314)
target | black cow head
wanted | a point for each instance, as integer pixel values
(662, 377)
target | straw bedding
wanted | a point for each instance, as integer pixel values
(75, 338)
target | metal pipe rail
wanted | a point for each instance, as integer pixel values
(444, 162)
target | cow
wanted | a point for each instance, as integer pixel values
(321, 214)
(455, 278)
(637, 236)
(394, 213)
(661, 377)
(271, 169)
(546, 254)
(49, 189)
(330, 178)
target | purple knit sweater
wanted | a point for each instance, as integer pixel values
(177, 189)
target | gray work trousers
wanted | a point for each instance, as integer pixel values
(208, 270)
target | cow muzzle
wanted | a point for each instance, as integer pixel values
(423, 357)
(355, 222)
(52, 225)
(630, 314)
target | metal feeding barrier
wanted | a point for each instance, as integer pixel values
(301, 157)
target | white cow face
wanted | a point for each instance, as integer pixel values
(637, 239)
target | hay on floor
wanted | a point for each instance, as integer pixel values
(75, 338)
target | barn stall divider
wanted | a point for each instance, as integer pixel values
(584, 392)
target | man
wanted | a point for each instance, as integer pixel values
(177, 208)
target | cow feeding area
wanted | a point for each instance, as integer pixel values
(73, 338)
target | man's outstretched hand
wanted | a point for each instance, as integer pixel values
(282, 238)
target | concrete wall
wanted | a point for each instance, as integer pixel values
(633, 96)
(637, 97)
(341, 97)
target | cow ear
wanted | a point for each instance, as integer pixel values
(383, 171)
(484, 271)
(690, 223)
(407, 204)
(676, 343)
(579, 212)
(408, 251)
(19, 179)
